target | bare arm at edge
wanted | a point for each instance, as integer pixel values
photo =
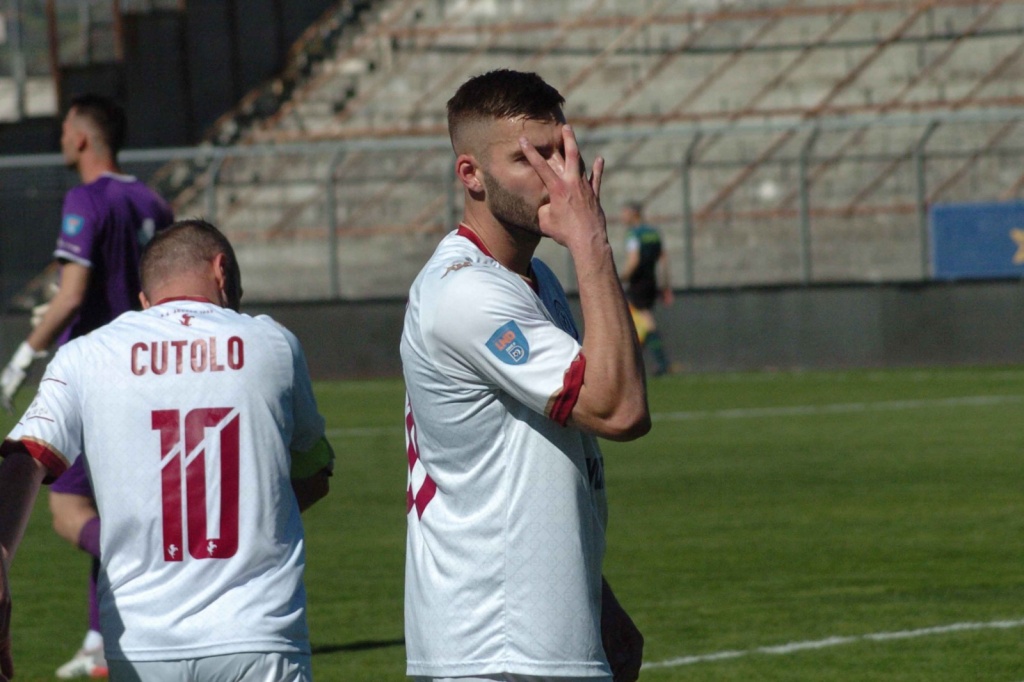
(74, 281)
(20, 478)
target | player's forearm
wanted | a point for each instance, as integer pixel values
(74, 283)
(309, 491)
(62, 309)
(20, 478)
(613, 400)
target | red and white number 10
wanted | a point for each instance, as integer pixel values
(201, 426)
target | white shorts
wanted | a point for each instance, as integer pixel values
(510, 677)
(266, 667)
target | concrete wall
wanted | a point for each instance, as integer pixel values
(885, 325)
(823, 327)
(890, 325)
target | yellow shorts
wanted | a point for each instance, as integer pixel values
(638, 324)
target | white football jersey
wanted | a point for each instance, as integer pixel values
(506, 506)
(188, 412)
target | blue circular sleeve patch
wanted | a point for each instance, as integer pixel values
(508, 344)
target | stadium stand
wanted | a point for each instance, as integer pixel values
(777, 141)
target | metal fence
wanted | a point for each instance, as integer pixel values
(838, 200)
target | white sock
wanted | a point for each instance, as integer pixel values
(93, 640)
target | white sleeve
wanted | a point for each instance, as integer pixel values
(309, 425)
(51, 428)
(493, 331)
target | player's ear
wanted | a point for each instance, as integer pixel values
(228, 281)
(468, 171)
(220, 271)
(144, 301)
(81, 137)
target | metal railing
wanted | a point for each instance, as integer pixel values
(356, 218)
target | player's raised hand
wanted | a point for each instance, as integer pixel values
(574, 208)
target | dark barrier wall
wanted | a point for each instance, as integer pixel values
(183, 70)
(156, 82)
(31, 201)
(967, 323)
(885, 325)
(848, 326)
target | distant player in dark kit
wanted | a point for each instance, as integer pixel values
(106, 222)
(646, 274)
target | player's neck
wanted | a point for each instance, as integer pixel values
(511, 247)
(91, 167)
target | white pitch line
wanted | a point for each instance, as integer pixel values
(837, 408)
(364, 431)
(794, 647)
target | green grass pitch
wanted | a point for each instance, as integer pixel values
(815, 526)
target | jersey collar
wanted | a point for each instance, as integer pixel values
(465, 231)
(174, 299)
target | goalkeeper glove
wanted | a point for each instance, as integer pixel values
(15, 372)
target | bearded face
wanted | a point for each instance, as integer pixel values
(510, 209)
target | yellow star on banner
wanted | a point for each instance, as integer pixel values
(1017, 235)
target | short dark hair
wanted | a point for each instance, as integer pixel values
(104, 113)
(186, 245)
(504, 94)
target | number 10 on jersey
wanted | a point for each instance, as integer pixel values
(185, 446)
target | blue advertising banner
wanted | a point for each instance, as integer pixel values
(977, 241)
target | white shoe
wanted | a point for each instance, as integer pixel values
(86, 663)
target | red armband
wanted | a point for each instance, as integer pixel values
(54, 463)
(562, 403)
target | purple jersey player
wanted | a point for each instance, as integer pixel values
(106, 222)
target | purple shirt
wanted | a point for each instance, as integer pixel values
(106, 223)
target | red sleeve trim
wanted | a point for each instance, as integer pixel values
(54, 463)
(563, 402)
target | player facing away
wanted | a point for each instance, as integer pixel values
(646, 275)
(205, 443)
(506, 501)
(106, 222)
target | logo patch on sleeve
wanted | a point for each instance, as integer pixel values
(73, 224)
(509, 344)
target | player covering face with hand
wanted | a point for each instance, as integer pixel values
(205, 443)
(506, 502)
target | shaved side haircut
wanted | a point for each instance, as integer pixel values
(105, 116)
(188, 246)
(501, 94)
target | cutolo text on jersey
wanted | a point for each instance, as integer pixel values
(199, 355)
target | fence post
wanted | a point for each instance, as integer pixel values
(211, 189)
(806, 265)
(17, 51)
(449, 197)
(332, 224)
(922, 197)
(691, 150)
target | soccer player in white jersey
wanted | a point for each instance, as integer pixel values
(205, 442)
(506, 502)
